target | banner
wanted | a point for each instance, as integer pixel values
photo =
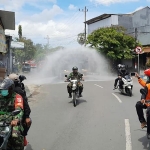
(2, 40)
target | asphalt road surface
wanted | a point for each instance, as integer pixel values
(104, 119)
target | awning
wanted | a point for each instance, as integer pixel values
(146, 49)
(8, 19)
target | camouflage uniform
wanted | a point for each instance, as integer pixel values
(7, 105)
(75, 76)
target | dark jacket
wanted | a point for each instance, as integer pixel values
(27, 109)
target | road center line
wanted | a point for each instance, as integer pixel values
(117, 98)
(128, 135)
(98, 85)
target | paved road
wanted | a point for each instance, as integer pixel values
(103, 120)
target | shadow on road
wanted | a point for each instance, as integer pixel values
(29, 147)
(145, 142)
(79, 101)
(118, 92)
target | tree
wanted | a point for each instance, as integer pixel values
(20, 31)
(27, 53)
(113, 41)
(81, 38)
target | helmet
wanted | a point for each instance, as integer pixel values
(147, 72)
(123, 67)
(75, 68)
(119, 65)
(14, 76)
(7, 84)
(22, 77)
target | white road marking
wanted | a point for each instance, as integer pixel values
(98, 85)
(117, 98)
(128, 135)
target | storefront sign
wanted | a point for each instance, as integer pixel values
(2, 40)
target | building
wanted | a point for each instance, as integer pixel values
(136, 23)
(7, 21)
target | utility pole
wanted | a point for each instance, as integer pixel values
(136, 35)
(85, 10)
(48, 38)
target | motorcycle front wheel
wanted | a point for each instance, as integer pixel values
(74, 99)
(130, 92)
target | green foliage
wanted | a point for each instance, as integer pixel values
(113, 42)
(43, 51)
(27, 53)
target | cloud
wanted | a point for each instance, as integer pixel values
(72, 7)
(62, 27)
(46, 14)
(108, 2)
(15, 5)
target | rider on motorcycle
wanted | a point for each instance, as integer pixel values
(10, 101)
(143, 103)
(19, 88)
(122, 72)
(75, 75)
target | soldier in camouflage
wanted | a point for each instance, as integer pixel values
(10, 101)
(75, 75)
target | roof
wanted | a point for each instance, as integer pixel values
(140, 9)
(104, 16)
(101, 17)
(8, 19)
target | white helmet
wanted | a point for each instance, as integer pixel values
(119, 65)
(14, 77)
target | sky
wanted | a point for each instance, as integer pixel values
(60, 21)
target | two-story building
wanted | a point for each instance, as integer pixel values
(136, 23)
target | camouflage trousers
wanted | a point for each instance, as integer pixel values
(16, 143)
(80, 85)
(16, 140)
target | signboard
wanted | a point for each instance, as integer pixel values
(17, 45)
(2, 40)
(138, 49)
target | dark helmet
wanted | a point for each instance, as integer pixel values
(119, 65)
(75, 68)
(7, 84)
(22, 77)
(123, 67)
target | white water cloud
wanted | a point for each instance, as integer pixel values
(108, 2)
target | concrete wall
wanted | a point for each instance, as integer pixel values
(113, 20)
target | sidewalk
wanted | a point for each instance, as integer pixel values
(32, 90)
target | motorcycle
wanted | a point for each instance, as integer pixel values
(75, 90)
(127, 85)
(6, 130)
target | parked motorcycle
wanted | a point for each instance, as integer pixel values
(127, 85)
(6, 130)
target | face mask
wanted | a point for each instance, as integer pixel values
(4, 92)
